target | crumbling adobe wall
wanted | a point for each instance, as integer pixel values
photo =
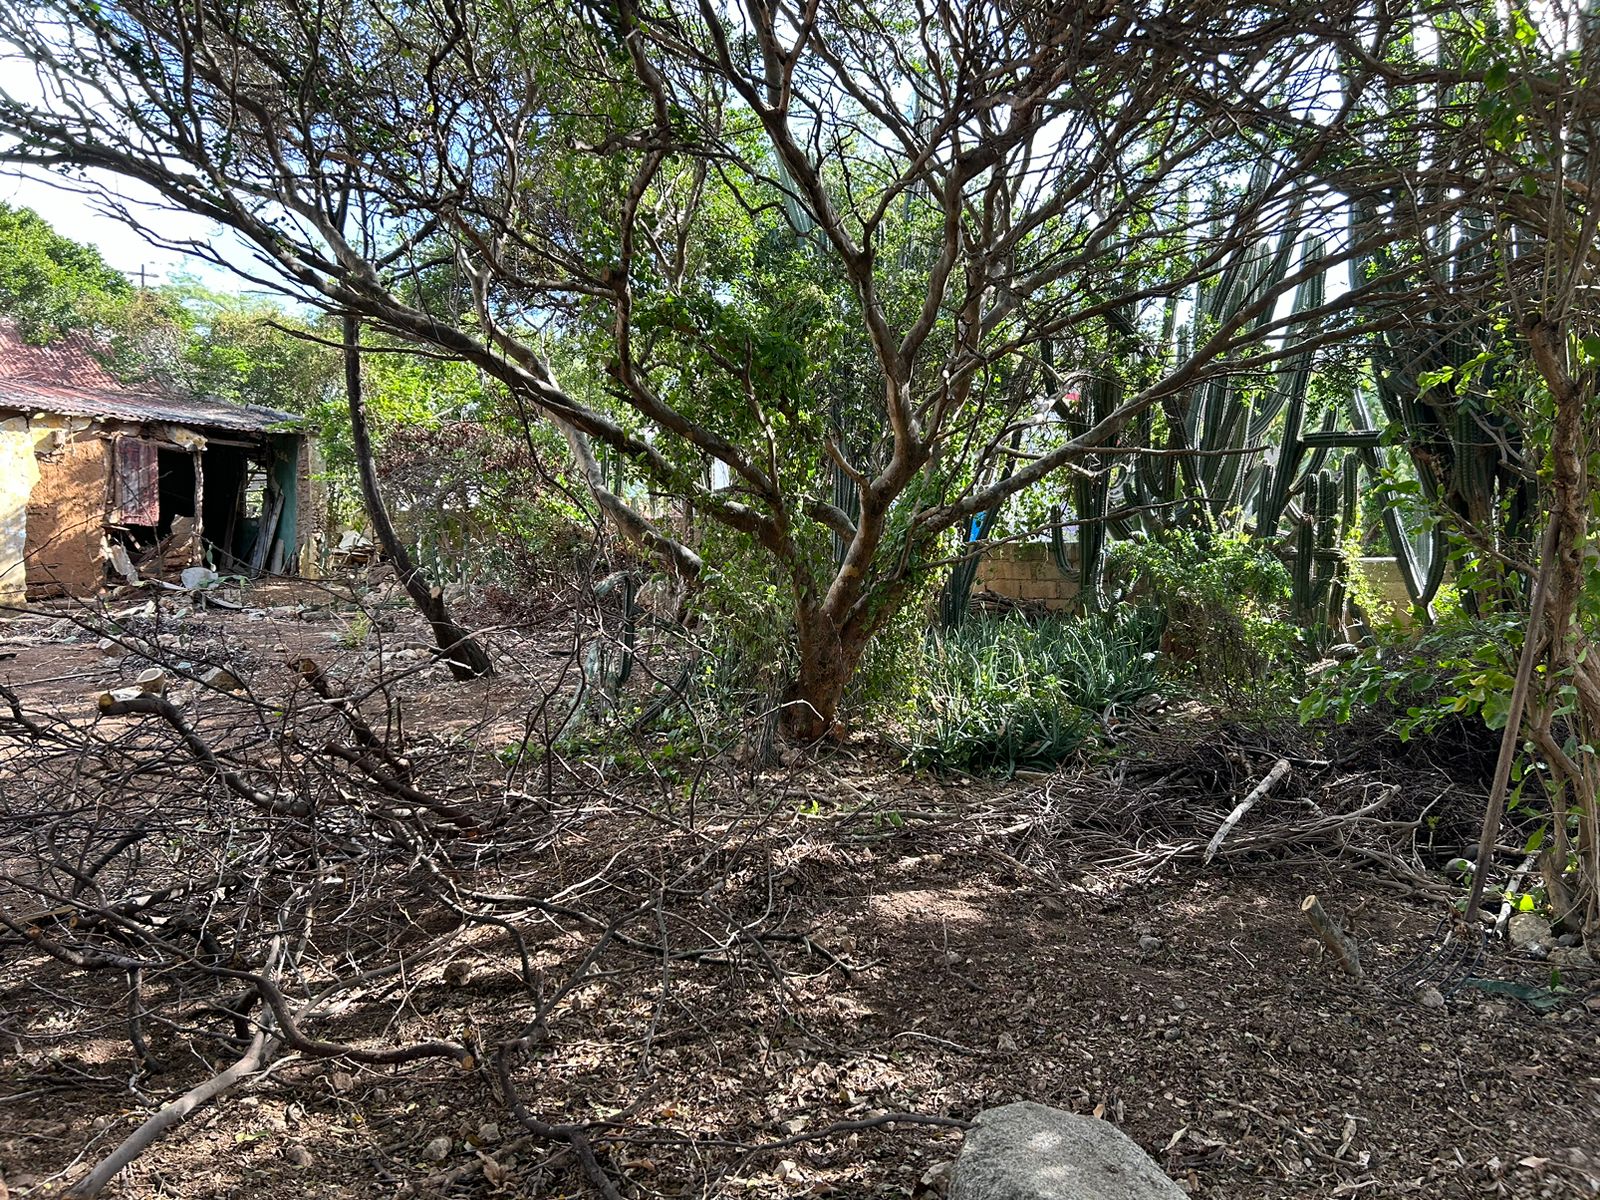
(17, 474)
(66, 517)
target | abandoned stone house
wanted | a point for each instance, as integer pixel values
(101, 482)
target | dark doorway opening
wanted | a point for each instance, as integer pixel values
(236, 486)
(154, 506)
(175, 488)
(227, 469)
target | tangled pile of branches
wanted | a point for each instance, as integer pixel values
(242, 876)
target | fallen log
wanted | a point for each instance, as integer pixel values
(140, 1140)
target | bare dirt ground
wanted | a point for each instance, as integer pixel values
(743, 968)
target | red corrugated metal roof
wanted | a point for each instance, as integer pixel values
(65, 377)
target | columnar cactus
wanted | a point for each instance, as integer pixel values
(1097, 399)
(1238, 446)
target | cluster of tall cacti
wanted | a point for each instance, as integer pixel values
(1238, 447)
(1096, 399)
(1263, 448)
(1467, 458)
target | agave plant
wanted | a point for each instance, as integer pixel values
(997, 696)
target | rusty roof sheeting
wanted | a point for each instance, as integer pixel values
(65, 377)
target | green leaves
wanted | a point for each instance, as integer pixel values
(1428, 380)
(1460, 667)
(50, 284)
(1540, 999)
(999, 695)
(1523, 31)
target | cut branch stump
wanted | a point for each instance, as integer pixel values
(1328, 931)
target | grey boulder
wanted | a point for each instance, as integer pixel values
(1028, 1151)
(1529, 929)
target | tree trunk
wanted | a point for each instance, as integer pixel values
(811, 702)
(832, 638)
(1566, 656)
(462, 654)
(829, 657)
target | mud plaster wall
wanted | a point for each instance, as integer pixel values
(17, 474)
(66, 515)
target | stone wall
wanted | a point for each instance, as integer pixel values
(1025, 572)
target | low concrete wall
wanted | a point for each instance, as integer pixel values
(1382, 575)
(1025, 572)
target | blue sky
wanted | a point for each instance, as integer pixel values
(80, 216)
(76, 216)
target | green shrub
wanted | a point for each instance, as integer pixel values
(741, 622)
(1224, 601)
(1420, 678)
(995, 696)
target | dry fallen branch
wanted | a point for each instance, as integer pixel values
(141, 1139)
(173, 716)
(1508, 902)
(315, 678)
(1321, 828)
(153, 858)
(260, 1051)
(364, 762)
(1280, 770)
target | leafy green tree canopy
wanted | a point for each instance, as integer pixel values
(832, 271)
(50, 284)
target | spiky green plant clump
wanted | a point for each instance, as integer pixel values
(1001, 695)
